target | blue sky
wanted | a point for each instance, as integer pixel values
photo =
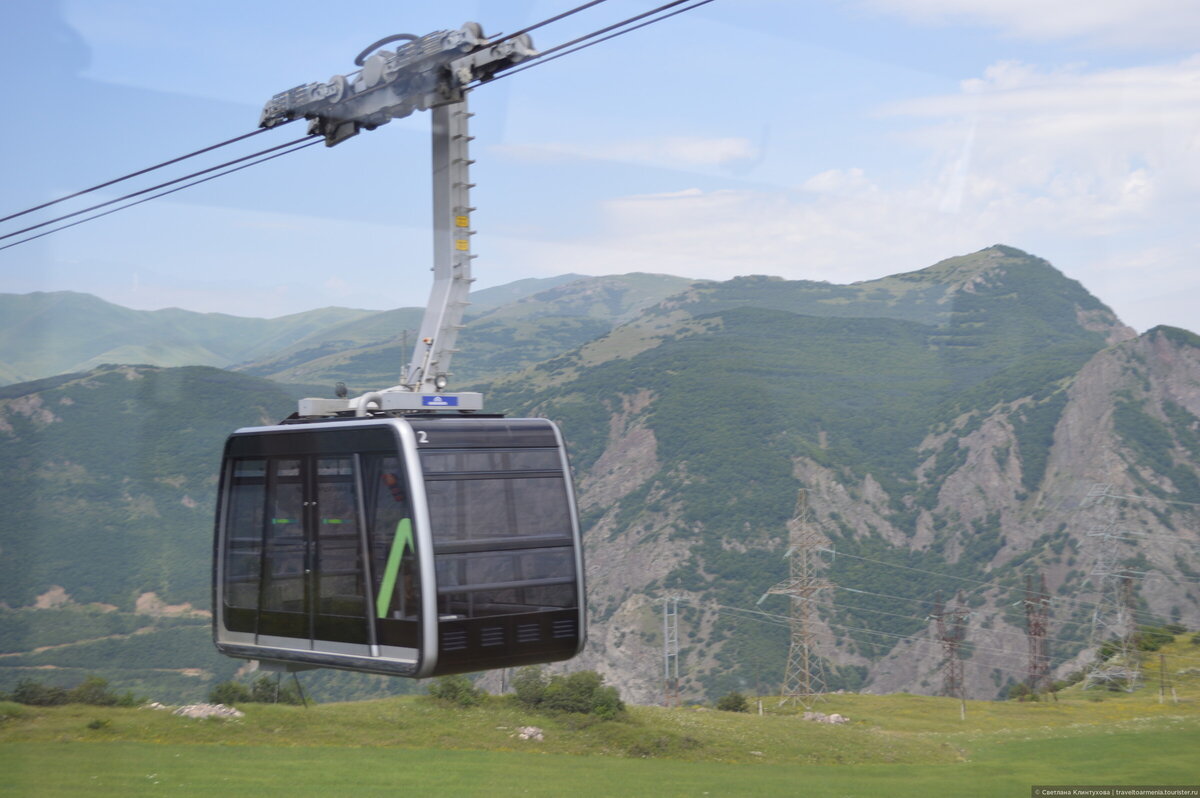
(836, 141)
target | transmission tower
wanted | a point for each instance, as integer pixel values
(671, 651)
(952, 631)
(1037, 614)
(1113, 622)
(804, 678)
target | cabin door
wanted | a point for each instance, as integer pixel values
(312, 579)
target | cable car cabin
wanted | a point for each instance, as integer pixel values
(412, 546)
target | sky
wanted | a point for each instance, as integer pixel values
(840, 140)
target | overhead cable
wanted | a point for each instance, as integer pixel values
(541, 57)
(545, 22)
(108, 183)
(1015, 633)
(306, 143)
(981, 583)
(133, 194)
(561, 49)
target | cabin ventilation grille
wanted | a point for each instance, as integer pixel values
(491, 636)
(563, 628)
(528, 633)
(454, 639)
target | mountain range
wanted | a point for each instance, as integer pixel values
(945, 428)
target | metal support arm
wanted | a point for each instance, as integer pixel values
(430, 72)
(452, 256)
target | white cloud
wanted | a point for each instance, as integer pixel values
(1115, 23)
(678, 151)
(1097, 170)
(1090, 152)
(840, 235)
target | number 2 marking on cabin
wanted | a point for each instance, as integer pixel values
(422, 436)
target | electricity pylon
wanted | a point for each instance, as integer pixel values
(1037, 615)
(804, 678)
(952, 631)
(1113, 621)
(671, 651)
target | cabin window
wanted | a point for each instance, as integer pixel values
(502, 531)
(294, 564)
(243, 548)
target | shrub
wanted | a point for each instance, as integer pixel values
(572, 693)
(94, 690)
(266, 690)
(37, 694)
(580, 693)
(1153, 638)
(456, 689)
(734, 702)
(529, 686)
(230, 694)
(607, 703)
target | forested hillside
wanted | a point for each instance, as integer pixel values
(932, 419)
(46, 334)
(500, 337)
(945, 425)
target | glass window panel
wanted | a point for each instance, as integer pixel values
(338, 565)
(508, 580)
(560, 596)
(478, 509)
(508, 601)
(243, 534)
(481, 568)
(283, 589)
(543, 508)
(287, 502)
(387, 505)
(491, 461)
(547, 563)
(249, 469)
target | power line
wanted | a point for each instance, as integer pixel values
(1005, 656)
(561, 50)
(924, 602)
(833, 605)
(982, 583)
(545, 22)
(782, 620)
(556, 49)
(133, 174)
(169, 191)
(148, 190)
(244, 136)
(1106, 494)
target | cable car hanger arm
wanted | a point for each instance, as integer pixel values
(422, 73)
(430, 72)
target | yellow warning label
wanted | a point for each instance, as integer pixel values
(461, 244)
(461, 221)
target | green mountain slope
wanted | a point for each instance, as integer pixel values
(109, 480)
(52, 333)
(944, 425)
(500, 337)
(928, 425)
(42, 334)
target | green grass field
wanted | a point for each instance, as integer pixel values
(897, 745)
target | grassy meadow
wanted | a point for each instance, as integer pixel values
(896, 745)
